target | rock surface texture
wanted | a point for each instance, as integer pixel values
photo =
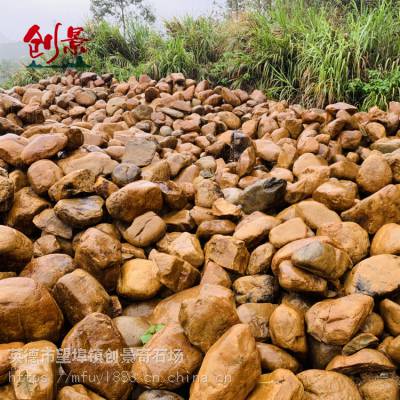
(172, 240)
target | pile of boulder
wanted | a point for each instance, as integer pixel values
(172, 240)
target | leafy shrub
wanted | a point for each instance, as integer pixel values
(378, 89)
(153, 329)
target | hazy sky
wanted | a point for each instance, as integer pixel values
(16, 16)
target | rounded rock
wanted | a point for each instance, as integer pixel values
(28, 312)
(125, 173)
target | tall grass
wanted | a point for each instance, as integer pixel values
(190, 46)
(109, 51)
(202, 36)
(314, 54)
(25, 76)
(173, 57)
(309, 51)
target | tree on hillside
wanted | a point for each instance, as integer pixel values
(122, 10)
(234, 6)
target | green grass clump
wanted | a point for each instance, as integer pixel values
(26, 76)
(313, 53)
(109, 51)
(173, 57)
